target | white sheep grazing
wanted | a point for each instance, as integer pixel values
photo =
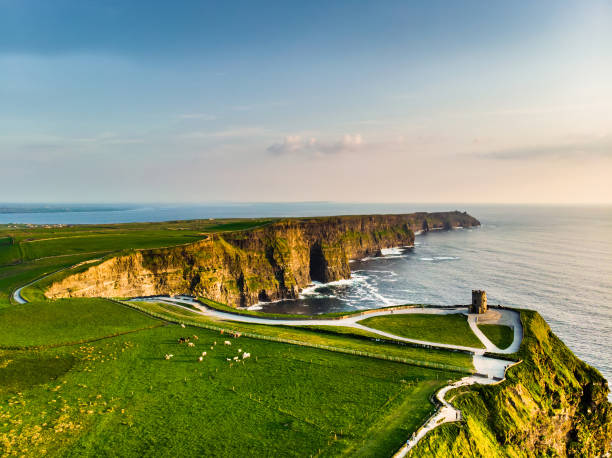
(246, 355)
(240, 350)
(168, 356)
(196, 337)
(235, 358)
(227, 342)
(212, 348)
(215, 342)
(228, 359)
(182, 325)
(201, 359)
(191, 344)
(203, 353)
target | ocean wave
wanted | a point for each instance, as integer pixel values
(440, 258)
(392, 251)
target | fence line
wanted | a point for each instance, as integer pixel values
(414, 362)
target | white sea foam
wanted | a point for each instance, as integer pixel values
(391, 251)
(426, 259)
(445, 258)
(255, 307)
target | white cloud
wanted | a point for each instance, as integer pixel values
(295, 144)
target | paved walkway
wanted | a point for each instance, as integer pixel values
(446, 413)
(351, 321)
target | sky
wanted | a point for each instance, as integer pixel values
(360, 101)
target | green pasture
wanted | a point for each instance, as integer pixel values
(120, 396)
(501, 336)
(449, 329)
(335, 337)
(33, 243)
(67, 321)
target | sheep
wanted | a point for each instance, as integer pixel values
(191, 344)
(201, 358)
(168, 356)
(246, 355)
(196, 337)
(203, 353)
(215, 342)
(240, 350)
(182, 325)
(235, 358)
(228, 359)
(212, 348)
(227, 342)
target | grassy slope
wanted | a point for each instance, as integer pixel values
(550, 404)
(340, 339)
(502, 336)
(119, 396)
(65, 321)
(449, 329)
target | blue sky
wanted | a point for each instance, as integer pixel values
(282, 101)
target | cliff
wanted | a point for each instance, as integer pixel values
(267, 263)
(551, 404)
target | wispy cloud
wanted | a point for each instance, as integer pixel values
(601, 147)
(295, 144)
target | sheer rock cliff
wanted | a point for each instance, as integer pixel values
(267, 263)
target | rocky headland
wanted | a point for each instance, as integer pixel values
(242, 268)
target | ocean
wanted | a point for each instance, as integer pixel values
(556, 260)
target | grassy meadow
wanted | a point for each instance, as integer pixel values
(119, 395)
(449, 329)
(501, 336)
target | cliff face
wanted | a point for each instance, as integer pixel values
(267, 263)
(551, 404)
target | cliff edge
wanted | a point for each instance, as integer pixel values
(551, 404)
(267, 263)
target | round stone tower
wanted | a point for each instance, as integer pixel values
(479, 301)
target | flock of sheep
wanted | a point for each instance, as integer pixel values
(188, 341)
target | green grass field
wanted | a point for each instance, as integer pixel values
(67, 321)
(450, 329)
(34, 243)
(502, 336)
(119, 396)
(335, 337)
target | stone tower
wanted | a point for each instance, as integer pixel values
(479, 301)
